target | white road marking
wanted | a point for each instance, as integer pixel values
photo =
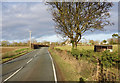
(13, 74)
(55, 76)
(35, 55)
(30, 60)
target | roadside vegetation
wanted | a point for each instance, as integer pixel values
(67, 69)
(85, 64)
(13, 53)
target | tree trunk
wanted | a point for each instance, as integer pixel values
(75, 45)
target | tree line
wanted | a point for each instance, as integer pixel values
(111, 41)
(27, 43)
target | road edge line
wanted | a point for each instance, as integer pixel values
(54, 71)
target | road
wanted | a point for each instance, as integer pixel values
(34, 66)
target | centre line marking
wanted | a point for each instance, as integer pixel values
(35, 55)
(12, 74)
(30, 60)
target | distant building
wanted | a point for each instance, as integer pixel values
(67, 42)
(100, 48)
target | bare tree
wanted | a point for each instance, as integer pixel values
(73, 19)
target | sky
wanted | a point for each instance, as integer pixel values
(18, 18)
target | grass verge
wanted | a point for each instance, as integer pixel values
(14, 54)
(67, 65)
(85, 66)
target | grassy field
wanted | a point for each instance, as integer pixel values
(8, 49)
(9, 53)
(68, 48)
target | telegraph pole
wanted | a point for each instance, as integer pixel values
(30, 39)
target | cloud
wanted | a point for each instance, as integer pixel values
(51, 38)
(100, 36)
(20, 17)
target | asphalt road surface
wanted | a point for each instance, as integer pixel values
(34, 66)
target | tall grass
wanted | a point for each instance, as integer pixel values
(13, 54)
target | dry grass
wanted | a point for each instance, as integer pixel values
(9, 53)
(8, 49)
(13, 52)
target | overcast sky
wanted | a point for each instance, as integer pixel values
(20, 17)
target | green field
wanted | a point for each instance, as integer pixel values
(68, 48)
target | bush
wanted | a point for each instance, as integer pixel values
(107, 58)
(75, 52)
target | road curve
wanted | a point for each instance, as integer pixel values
(35, 66)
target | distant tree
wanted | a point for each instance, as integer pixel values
(114, 39)
(111, 41)
(5, 43)
(104, 41)
(15, 44)
(115, 35)
(91, 41)
(20, 44)
(34, 41)
(96, 42)
(75, 18)
(46, 43)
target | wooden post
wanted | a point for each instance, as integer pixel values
(30, 39)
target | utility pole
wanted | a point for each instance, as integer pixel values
(30, 39)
